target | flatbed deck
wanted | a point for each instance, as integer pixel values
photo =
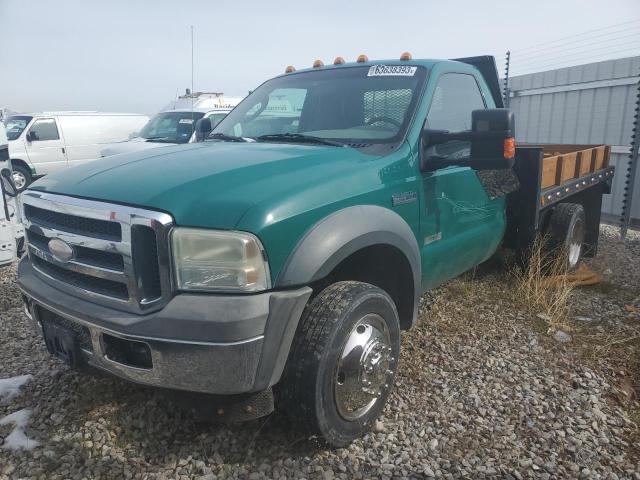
(550, 174)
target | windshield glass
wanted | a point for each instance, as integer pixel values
(368, 104)
(171, 127)
(16, 125)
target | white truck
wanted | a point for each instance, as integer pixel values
(11, 229)
(175, 124)
(46, 142)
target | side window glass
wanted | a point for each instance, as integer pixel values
(44, 129)
(456, 95)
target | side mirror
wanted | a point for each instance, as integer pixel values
(203, 129)
(32, 136)
(8, 186)
(491, 143)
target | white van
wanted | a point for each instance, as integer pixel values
(46, 142)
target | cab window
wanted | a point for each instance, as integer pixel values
(456, 95)
(44, 129)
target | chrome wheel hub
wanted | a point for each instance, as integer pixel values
(575, 243)
(19, 180)
(365, 368)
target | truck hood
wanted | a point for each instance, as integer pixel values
(206, 184)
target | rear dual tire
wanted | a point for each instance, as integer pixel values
(566, 233)
(342, 363)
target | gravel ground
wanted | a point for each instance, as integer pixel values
(484, 391)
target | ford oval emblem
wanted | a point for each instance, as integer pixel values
(61, 250)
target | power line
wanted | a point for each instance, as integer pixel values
(576, 61)
(575, 35)
(544, 51)
(571, 54)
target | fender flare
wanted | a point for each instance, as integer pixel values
(343, 233)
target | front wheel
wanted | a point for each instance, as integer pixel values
(343, 362)
(21, 177)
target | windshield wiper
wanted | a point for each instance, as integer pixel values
(298, 138)
(225, 137)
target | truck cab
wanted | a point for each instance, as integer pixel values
(276, 261)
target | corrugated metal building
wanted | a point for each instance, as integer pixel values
(585, 104)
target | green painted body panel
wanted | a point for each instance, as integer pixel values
(280, 191)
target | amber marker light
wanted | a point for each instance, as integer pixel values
(509, 148)
(338, 61)
(290, 69)
(406, 56)
(362, 58)
(318, 63)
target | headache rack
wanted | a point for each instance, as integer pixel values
(118, 254)
(556, 173)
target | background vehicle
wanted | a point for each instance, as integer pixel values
(46, 142)
(285, 254)
(172, 127)
(11, 230)
(175, 123)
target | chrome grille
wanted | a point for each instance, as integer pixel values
(120, 254)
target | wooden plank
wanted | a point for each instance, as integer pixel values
(607, 156)
(568, 167)
(598, 157)
(549, 172)
(586, 159)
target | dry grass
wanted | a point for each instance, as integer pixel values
(544, 287)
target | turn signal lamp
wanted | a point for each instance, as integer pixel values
(290, 69)
(338, 61)
(509, 148)
(362, 58)
(406, 56)
(318, 63)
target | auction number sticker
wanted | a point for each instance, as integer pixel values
(391, 71)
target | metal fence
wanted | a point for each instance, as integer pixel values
(585, 104)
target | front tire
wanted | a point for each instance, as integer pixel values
(343, 362)
(21, 177)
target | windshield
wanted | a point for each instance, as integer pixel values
(16, 125)
(170, 127)
(363, 105)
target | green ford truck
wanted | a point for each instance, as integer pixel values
(274, 264)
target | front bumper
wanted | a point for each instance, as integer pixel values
(219, 344)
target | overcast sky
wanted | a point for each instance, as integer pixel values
(124, 55)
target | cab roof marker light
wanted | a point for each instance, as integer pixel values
(318, 63)
(338, 61)
(406, 56)
(290, 69)
(362, 58)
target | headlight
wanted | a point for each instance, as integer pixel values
(218, 260)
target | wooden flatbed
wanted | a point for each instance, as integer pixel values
(550, 174)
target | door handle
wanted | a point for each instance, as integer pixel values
(63, 150)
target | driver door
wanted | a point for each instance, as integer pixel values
(460, 224)
(45, 148)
